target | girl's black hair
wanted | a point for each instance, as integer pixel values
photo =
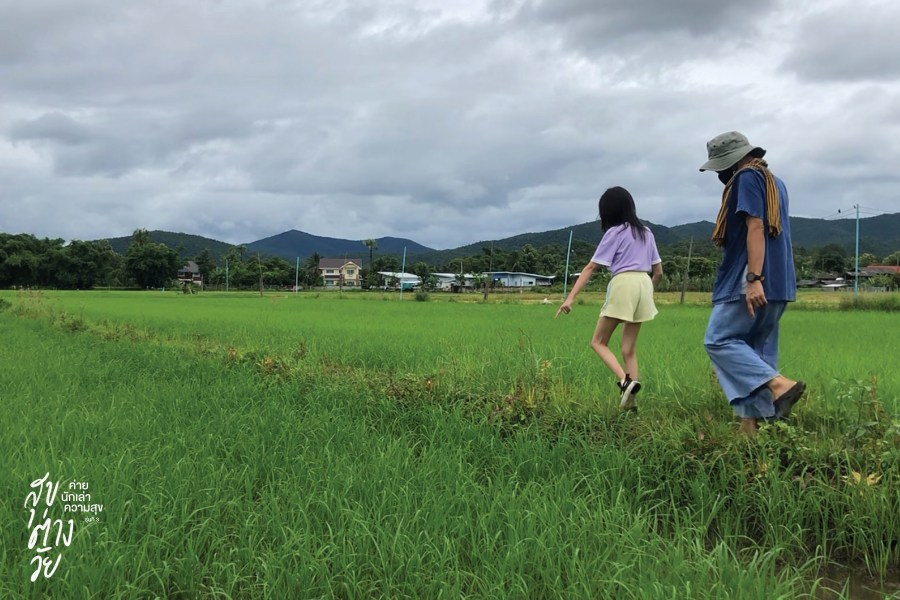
(617, 208)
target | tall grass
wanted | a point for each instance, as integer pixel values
(872, 302)
(490, 345)
(290, 447)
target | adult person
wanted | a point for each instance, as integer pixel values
(754, 283)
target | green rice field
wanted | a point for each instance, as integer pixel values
(359, 446)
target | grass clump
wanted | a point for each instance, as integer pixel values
(883, 302)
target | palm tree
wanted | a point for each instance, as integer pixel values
(312, 275)
(140, 237)
(372, 245)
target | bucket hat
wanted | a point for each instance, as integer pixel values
(726, 149)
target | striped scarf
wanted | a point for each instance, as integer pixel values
(773, 208)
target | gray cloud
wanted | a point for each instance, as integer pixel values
(613, 19)
(51, 127)
(120, 140)
(848, 43)
(443, 123)
(644, 39)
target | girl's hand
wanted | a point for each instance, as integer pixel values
(565, 307)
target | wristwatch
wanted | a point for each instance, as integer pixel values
(751, 277)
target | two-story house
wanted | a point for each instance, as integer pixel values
(190, 273)
(340, 271)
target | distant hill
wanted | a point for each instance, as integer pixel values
(292, 244)
(701, 230)
(879, 235)
(191, 245)
(585, 232)
(288, 245)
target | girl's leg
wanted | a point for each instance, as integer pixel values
(600, 343)
(629, 351)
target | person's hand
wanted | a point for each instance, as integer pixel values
(756, 297)
(565, 307)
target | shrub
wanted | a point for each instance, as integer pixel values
(421, 296)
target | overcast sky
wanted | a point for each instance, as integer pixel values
(444, 121)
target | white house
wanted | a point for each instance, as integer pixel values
(407, 280)
(450, 281)
(190, 273)
(340, 272)
(518, 280)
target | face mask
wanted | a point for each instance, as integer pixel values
(725, 176)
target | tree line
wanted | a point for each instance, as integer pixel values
(27, 261)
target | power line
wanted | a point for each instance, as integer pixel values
(878, 210)
(850, 213)
(841, 213)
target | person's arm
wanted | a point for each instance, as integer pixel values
(582, 281)
(655, 261)
(657, 274)
(756, 256)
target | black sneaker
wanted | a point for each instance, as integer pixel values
(629, 389)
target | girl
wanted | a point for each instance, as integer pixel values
(629, 251)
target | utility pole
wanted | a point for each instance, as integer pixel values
(489, 280)
(856, 260)
(259, 262)
(687, 270)
(297, 277)
(566, 276)
(402, 271)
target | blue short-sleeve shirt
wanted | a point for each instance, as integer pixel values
(748, 197)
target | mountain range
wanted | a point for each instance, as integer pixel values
(879, 235)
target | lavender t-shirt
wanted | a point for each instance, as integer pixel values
(621, 249)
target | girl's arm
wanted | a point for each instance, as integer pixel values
(657, 274)
(583, 279)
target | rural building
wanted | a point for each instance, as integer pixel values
(190, 273)
(827, 282)
(518, 280)
(866, 278)
(808, 283)
(450, 282)
(340, 271)
(394, 280)
(875, 270)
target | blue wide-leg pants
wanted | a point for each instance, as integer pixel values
(744, 354)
